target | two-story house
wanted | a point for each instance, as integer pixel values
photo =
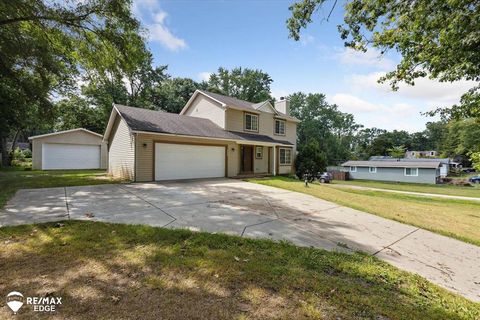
(213, 136)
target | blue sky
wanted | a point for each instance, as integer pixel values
(194, 38)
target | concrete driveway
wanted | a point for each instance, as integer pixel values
(256, 211)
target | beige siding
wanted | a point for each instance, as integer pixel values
(234, 120)
(144, 150)
(266, 122)
(204, 107)
(260, 165)
(121, 158)
(74, 137)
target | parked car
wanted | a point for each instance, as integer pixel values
(469, 170)
(475, 179)
(324, 177)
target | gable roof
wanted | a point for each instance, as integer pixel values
(144, 120)
(63, 132)
(234, 103)
(392, 164)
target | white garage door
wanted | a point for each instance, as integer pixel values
(70, 156)
(184, 161)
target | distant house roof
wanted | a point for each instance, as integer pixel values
(388, 158)
(63, 132)
(230, 102)
(393, 164)
(20, 145)
(139, 119)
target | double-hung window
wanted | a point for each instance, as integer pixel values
(411, 172)
(372, 169)
(251, 122)
(285, 156)
(353, 169)
(280, 127)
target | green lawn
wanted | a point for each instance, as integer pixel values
(414, 187)
(107, 271)
(455, 218)
(12, 179)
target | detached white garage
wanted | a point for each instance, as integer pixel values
(71, 149)
(188, 161)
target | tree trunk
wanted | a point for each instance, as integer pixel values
(14, 141)
(3, 146)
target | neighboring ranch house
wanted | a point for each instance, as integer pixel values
(213, 136)
(396, 171)
(444, 162)
(71, 149)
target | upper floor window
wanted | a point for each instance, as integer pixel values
(280, 127)
(285, 156)
(251, 122)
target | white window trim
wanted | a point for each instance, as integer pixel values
(372, 171)
(245, 122)
(280, 158)
(284, 127)
(410, 175)
(352, 169)
(257, 148)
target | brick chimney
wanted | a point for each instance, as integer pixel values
(283, 105)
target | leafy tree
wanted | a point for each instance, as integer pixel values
(461, 139)
(475, 159)
(363, 140)
(135, 88)
(436, 132)
(173, 93)
(436, 38)
(76, 112)
(310, 159)
(45, 45)
(333, 130)
(397, 152)
(242, 83)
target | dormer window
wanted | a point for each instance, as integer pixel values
(251, 122)
(280, 127)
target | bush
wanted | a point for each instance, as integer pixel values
(27, 153)
(18, 154)
(310, 159)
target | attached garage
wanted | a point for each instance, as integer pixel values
(71, 149)
(188, 161)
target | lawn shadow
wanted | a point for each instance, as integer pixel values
(114, 271)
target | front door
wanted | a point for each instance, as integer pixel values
(247, 158)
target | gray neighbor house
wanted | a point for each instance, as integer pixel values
(396, 171)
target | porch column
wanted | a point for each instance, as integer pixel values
(274, 160)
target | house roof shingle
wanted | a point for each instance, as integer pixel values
(242, 104)
(139, 119)
(392, 164)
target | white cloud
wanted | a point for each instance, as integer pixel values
(159, 32)
(353, 104)
(381, 115)
(431, 91)
(350, 103)
(204, 76)
(371, 58)
(306, 39)
(157, 29)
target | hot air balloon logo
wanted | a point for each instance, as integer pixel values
(15, 301)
